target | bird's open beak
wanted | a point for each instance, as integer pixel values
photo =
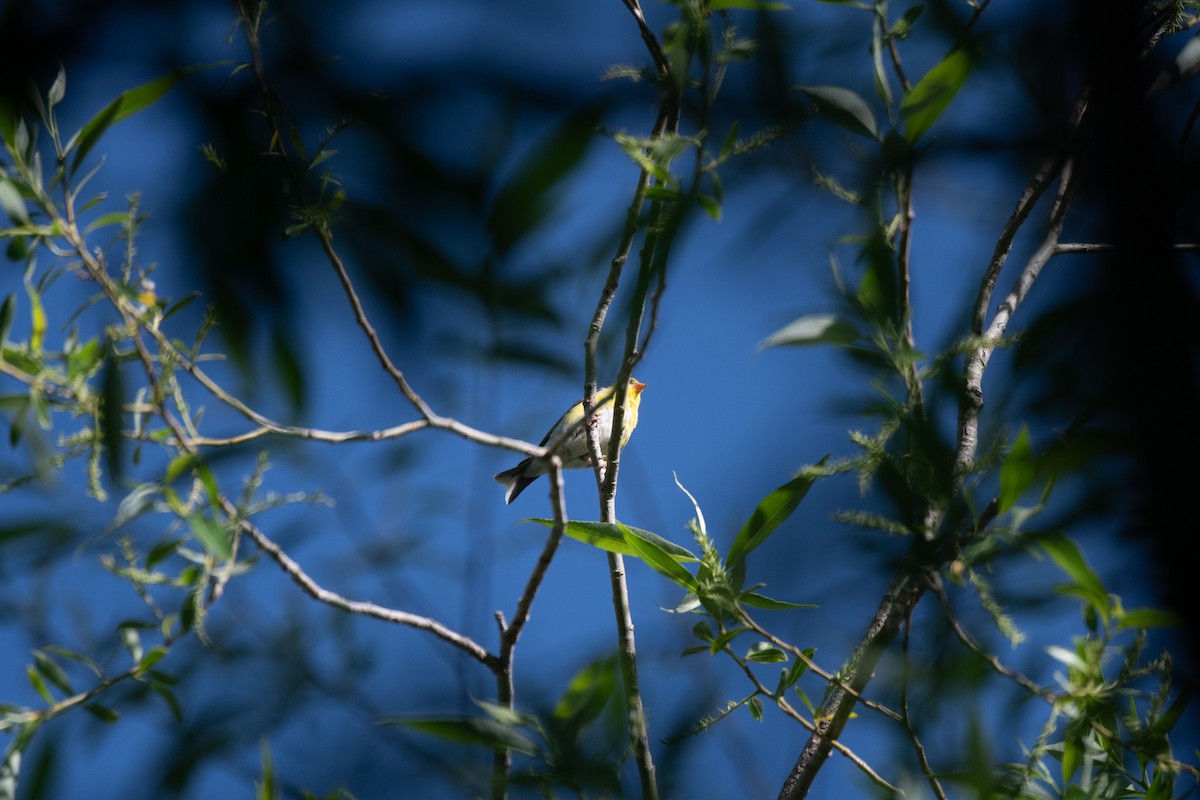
(637, 387)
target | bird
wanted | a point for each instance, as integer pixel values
(574, 450)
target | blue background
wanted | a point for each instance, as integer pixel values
(417, 523)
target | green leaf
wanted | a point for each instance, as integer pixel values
(1018, 471)
(102, 713)
(661, 560)
(756, 600)
(765, 653)
(845, 108)
(126, 104)
(770, 514)
(1085, 583)
(813, 329)
(473, 731)
(83, 361)
(755, 705)
(39, 685)
(588, 692)
(922, 107)
(151, 658)
(1168, 719)
(180, 464)
(1072, 757)
(50, 669)
(710, 204)
(608, 536)
(210, 534)
(1148, 618)
(37, 318)
(268, 788)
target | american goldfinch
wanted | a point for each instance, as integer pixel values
(574, 451)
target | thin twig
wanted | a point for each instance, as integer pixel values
(790, 711)
(816, 669)
(321, 594)
(939, 590)
(922, 756)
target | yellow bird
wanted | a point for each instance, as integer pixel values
(574, 451)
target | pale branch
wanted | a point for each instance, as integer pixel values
(512, 632)
(656, 52)
(266, 425)
(976, 362)
(1084, 248)
(1029, 197)
(912, 375)
(363, 608)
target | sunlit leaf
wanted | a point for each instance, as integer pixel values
(769, 515)
(756, 600)
(608, 536)
(922, 107)
(813, 329)
(126, 104)
(765, 653)
(660, 559)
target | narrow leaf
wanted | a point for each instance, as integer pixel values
(845, 108)
(481, 732)
(769, 515)
(210, 534)
(922, 107)
(126, 104)
(607, 536)
(812, 329)
(661, 560)
(102, 713)
(6, 317)
(1018, 471)
(1069, 558)
(756, 600)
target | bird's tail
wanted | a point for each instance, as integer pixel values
(515, 480)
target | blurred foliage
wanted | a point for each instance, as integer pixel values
(437, 233)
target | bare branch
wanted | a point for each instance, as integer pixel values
(321, 594)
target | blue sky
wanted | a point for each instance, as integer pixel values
(730, 420)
